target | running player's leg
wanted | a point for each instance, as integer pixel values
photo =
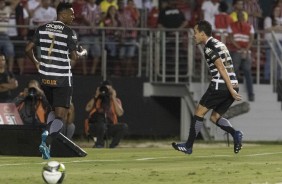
(196, 124)
(61, 102)
(195, 128)
(223, 123)
(59, 98)
(205, 104)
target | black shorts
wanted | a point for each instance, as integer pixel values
(58, 96)
(218, 100)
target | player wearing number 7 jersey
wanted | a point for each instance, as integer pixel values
(58, 50)
(221, 93)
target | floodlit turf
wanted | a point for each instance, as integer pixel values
(209, 163)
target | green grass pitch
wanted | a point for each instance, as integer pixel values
(209, 164)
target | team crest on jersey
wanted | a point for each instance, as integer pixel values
(208, 51)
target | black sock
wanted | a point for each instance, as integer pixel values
(195, 128)
(225, 125)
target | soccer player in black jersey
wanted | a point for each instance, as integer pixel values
(221, 93)
(58, 49)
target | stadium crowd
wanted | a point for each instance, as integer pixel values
(121, 44)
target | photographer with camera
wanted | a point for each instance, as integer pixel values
(104, 109)
(32, 104)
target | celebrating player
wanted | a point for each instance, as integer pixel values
(221, 93)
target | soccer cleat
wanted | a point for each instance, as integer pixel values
(44, 149)
(182, 147)
(238, 136)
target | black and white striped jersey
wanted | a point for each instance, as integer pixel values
(55, 41)
(213, 50)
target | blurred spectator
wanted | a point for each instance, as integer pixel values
(279, 4)
(77, 6)
(185, 7)
(6, 46)
(22, 17)
(153, 16)
(170, 16)
(90, 38)
(272, 23)
(104, 109)
(254, 12)
(44, 14)
(31, 6)
(222, 22)
(127, 42)
(32, 104)
(229, 4)
(135, 14)
(7, 81)
(238, 5)
(69, 127)
(12, 31)
(19, 34)
(111, 20)
(242, 36)
(209, 10)
(106, 4)
(196, 13)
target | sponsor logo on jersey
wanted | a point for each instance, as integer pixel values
(49, 82)
(54, 26)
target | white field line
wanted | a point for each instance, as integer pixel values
(262, 154)
(142, 159)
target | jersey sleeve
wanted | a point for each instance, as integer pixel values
(212, 54)
(72, 40)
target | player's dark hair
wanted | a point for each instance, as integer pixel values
(63, 6)
(205, 26)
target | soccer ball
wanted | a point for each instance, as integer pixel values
(53, 172)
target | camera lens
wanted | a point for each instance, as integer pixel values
(31, 91)
(104, 90)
